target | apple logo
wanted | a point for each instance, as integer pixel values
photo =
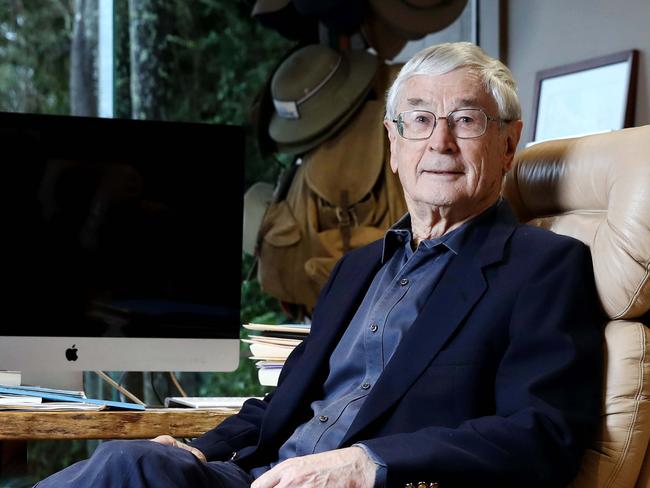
(71, 353)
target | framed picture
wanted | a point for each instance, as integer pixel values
(596, 95)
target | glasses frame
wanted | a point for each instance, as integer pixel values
(400, 123)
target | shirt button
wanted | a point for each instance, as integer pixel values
(403, 282)
(323, 418)
(373, 328)
(365, 386)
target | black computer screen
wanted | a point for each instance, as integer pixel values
(120, 228)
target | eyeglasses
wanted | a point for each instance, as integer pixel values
(464, 123)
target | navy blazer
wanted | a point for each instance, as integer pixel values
(497, 382)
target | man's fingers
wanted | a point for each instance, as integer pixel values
(165, 439)
(339, 468)
(168, 440)
(267, 480)
(199, 455)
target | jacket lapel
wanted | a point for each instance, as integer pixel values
(331, 317)
(458, 290)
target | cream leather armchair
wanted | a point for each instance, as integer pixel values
(597, 189)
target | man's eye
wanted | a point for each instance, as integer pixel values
(464, 120)
(422, 119)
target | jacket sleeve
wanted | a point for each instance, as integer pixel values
(547, 393)
(242, 430)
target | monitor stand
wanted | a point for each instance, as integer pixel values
(61, 380)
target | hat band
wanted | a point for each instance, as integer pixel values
(417, 6)
(288, 109)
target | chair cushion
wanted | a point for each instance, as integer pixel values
(616, 456)
(596, 189)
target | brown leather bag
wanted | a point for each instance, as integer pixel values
(343, 196)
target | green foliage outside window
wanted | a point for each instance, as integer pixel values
(34, 56)
(214, 61)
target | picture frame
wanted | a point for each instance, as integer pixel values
(591, 96)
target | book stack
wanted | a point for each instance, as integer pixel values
(39, 398)
(228, 404)
(272, 346)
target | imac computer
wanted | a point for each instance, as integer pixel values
(121, 245)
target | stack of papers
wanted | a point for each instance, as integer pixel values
(52, 407)
(206, 402)
(9, 400)
(271, 348)
(39, 398)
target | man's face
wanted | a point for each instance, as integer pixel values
(463, 175)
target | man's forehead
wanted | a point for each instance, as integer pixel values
(460, 88)
(416, 102)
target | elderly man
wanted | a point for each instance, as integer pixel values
(458, 350)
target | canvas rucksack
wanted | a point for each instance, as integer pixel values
(343, 196)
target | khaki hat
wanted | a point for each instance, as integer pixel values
(282, 17)
(314, 88)
(339, 16)
(306, 146)
(386, 74)
(267, 6)
(256, 200)
(414, 19)
(387, 42)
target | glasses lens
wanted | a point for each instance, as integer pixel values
(417, 124)
(468, 123)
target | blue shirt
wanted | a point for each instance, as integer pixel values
(393, 301)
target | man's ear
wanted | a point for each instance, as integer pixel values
(390, 129)
(513, 133)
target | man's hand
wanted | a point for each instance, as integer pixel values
(349, 467)
(168, 440)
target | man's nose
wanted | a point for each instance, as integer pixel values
(442, 138)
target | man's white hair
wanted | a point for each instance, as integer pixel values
(443, 58)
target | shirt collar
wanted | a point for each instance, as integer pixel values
(399, 234)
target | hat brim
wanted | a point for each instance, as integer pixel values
(415, 23)
(382, 37)
(267, 6)
(256, 200)
(320, 113)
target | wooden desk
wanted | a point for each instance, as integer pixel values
(16, 428)
(177, 422)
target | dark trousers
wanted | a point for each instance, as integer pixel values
(146, 464)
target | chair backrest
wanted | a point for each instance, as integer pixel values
(597, 189)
